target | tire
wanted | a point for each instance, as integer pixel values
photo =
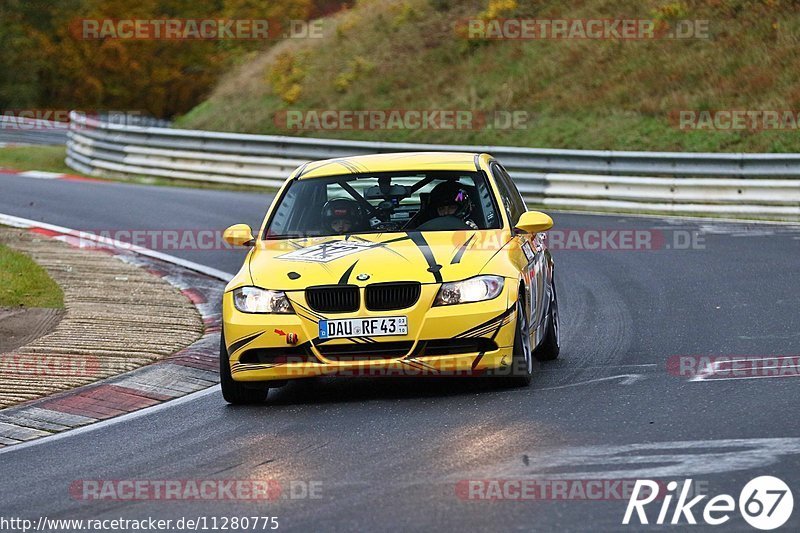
(235, 392)
(550, 346)
(522, 357)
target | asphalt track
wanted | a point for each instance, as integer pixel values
(389, 454)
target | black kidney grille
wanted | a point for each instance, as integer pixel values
(333, 298)
(387, 296)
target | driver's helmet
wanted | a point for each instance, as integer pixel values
(451, 193)
(341, 214)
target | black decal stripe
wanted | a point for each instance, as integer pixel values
(309, 318)
(241, 343)
(346, 276)
(413, 364)
(488, 323)
(480, 332)
(423, 364)
(301, 171)
(461, 250)
(307, 310)
(317, 341)
(380, 244)
(348, 165)
(395, 252)
(384, 245)
(240, 367)
(419, 349)
(396, 239)
(434, 268)
(499, 249)
(499, 327)
(477, 360)
(489, 328)
(322, 164)
(360, 340)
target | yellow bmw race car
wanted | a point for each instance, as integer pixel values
(409, 264)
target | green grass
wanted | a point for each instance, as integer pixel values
(24, 283)
(579, 94)
(44, 158)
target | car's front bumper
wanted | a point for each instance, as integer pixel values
(485, 330)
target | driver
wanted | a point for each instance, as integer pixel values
(341, 215)
(450, 199)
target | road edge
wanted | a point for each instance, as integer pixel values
(187, 372)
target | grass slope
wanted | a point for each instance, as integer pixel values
(586, 94)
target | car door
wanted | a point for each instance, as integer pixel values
(533, 246)
(514, 207)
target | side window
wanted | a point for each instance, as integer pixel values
(516, 196)
(512, 201)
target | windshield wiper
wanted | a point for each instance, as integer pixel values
(289, 236)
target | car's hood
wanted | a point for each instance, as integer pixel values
(427, 257)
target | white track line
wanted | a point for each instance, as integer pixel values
(26, 223)
(625, 379)
(111, 421)
(709, 373)
(18, 222)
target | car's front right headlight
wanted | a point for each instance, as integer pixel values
(256, 300)
(477, 289)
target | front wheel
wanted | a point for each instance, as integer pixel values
(522, 359)
(550, 346)
(235, 392)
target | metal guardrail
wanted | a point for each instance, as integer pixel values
(19, 130)
(763, 185)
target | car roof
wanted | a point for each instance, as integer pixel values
(411, 161)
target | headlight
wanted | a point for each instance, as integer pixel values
(255, 300)
(475, 289)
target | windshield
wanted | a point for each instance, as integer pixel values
(384, 202)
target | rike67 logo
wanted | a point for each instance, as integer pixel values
(765, 503)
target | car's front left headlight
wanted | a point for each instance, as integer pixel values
(256, 300)
(477, 289)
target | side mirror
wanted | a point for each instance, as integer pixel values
(534, 222)
(239, 235)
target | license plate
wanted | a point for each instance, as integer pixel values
(363, 327)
